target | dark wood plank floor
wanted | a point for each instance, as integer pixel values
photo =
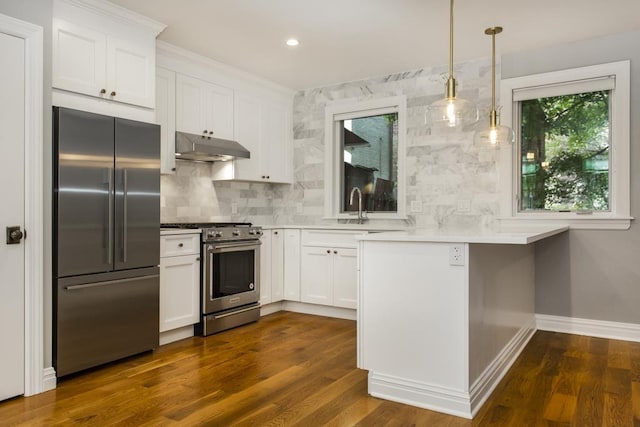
(295, 369)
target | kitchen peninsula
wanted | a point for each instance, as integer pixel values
(442, 316)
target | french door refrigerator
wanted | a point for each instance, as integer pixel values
(106, 232)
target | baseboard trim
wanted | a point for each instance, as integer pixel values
(270, 308)
(449, 401)
(422, 395)
(588, 327)
(176, 334)
(320, 310)
(482, 387)
(49, 380)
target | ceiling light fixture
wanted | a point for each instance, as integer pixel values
(494, 134)
(293, 42)
(451, 111)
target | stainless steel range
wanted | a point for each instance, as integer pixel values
(230, 266)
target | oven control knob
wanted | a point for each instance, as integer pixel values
(219, 234)
(252, 232)
(212, 234)
(236, 232)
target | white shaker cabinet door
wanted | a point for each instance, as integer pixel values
(131, 70)
(190, 105)
(316, 280)
(166, 118)
(248, 132)
(277, 265)
(218, 111)
(79, 61)
(345, 278)
(179, 291)
(292, 265)
(276, 152)
(265, 268)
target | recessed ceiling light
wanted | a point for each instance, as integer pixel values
(293, 42)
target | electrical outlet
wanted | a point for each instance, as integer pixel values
(299, 207)
(456, 254)
(234, 208)
(416, 206)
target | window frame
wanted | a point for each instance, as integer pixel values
(351, 109)
(618, 217)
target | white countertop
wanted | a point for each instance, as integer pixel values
(170, 231)
(518, 237)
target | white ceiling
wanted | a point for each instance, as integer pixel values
(344, 40)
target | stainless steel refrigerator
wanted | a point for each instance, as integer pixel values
(106, 232)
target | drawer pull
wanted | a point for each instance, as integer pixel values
(180, 245)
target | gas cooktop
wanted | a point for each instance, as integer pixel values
(196, 225)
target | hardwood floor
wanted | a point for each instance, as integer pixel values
(295, 369)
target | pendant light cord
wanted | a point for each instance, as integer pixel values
(451, 40)
(493, 71)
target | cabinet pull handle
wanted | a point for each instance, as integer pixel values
(268, 177)
(335, 252)
(210, 132)
(275, 232)
(328, 251)
(180, 245)
(198, 259)
(205, 131)
(113, 93)
(103, 91)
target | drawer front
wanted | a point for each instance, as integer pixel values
(179, 244)
(331, 238)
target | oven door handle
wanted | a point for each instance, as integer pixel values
(217, 248)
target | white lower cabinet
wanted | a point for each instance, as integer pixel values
(272, 266)
(179, 281)
(329, 271)
(292, 265)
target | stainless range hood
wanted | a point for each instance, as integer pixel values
(208, 149)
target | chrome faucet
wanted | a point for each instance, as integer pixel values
(362, 215)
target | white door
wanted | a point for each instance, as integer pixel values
(12, 118)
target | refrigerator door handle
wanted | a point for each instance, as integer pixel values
(110, 216)
(124, 216)
(108, 282)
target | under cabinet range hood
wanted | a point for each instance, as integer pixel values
(207, 149)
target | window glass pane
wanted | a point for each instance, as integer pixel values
(370, 162)
(564, 152)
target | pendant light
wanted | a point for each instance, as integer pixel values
(451, 111)
(494, 134)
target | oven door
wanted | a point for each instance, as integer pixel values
(231, 273)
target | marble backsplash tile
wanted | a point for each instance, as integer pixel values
(455, 181)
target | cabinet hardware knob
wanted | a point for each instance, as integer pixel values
(328, 251)
(335, 252)
(113, 93)
(103, 91)
(173, 169)
(263, 176)
(180, 245)
(198, 259)
(210, 132)
(275, 232)
(205, 131)
(268, 177)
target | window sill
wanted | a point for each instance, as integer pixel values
(573, 221)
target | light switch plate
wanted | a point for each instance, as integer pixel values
(416, 206)
(456, 254)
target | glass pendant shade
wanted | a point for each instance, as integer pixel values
(493, 134)
(451, 111)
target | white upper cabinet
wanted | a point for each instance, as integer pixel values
(203, 108)
(263, 126)
(166, 118)
(104, 51)
(79, 60)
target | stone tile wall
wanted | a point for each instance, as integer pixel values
(444, 170)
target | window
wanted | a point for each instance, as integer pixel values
(364, 143)
(570, 162)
